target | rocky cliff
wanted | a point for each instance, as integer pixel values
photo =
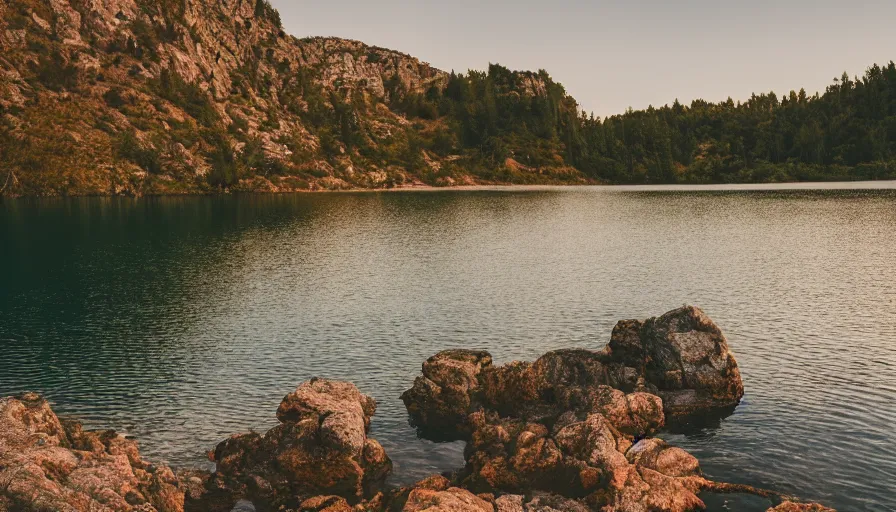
(143, 97)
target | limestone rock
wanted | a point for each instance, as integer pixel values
(646, 490)
(657, 455)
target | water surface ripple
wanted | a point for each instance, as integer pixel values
(182, 320)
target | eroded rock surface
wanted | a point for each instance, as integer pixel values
(569, 432)
(789, 506)
(48, 464)
(672, 365)
(442, 397)
(683, 357)
(568, 423)
(320, 448)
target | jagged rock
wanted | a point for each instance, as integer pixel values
(320, 448)
(511, 455)
(684, 356)
(325, 504)
(48, 464)
(449, 500)
(659, 456)
(575, 460)
(441, 398)
(565, 423)
(678, 363)
(789, 506)
(646, 490)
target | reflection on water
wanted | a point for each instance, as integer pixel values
(183, 320)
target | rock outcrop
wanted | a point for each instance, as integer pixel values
(143, 97)
(48, 464)
(443, 395)
(569, 432)
(682, 356)
(789, 506)
(320, 448)
(673, 365)
(568, 423)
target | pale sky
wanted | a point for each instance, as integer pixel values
(612, 54)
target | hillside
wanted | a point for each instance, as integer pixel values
(197, 96)
(140, 97)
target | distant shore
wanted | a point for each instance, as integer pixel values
(721, 187)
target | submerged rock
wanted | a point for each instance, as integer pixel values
(48, 464)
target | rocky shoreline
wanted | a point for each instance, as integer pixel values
(571, 431)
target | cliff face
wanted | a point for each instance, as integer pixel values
(142, 97)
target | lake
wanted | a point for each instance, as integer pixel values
(183, 320)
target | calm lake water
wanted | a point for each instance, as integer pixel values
(182, 320)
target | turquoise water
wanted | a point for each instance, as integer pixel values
(182, 320)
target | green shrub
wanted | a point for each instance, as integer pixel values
(147, 158)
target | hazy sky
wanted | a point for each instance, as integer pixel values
(614, 54)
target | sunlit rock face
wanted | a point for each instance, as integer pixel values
(48, 464)
(683, 357)
(320, 448)
(573, 423)
(676, 364)
(569, 432)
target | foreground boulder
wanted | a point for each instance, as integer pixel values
(569, 423)
(320, 448)
(673, 365)
(588, 460)
(789, 506)
(683, 357)
(48, 464)
(443, 395)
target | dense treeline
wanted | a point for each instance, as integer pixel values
(847, 133)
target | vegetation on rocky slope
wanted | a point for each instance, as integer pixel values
(191, 96)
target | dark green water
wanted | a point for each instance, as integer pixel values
(183, 320)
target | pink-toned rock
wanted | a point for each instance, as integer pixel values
(646, 490)
(321, 448)
(48, 464)
(684, 356)
(789, 506)
(442, 397)
(345, 411)
(596, 442)
(657, 455)
(450, 500)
